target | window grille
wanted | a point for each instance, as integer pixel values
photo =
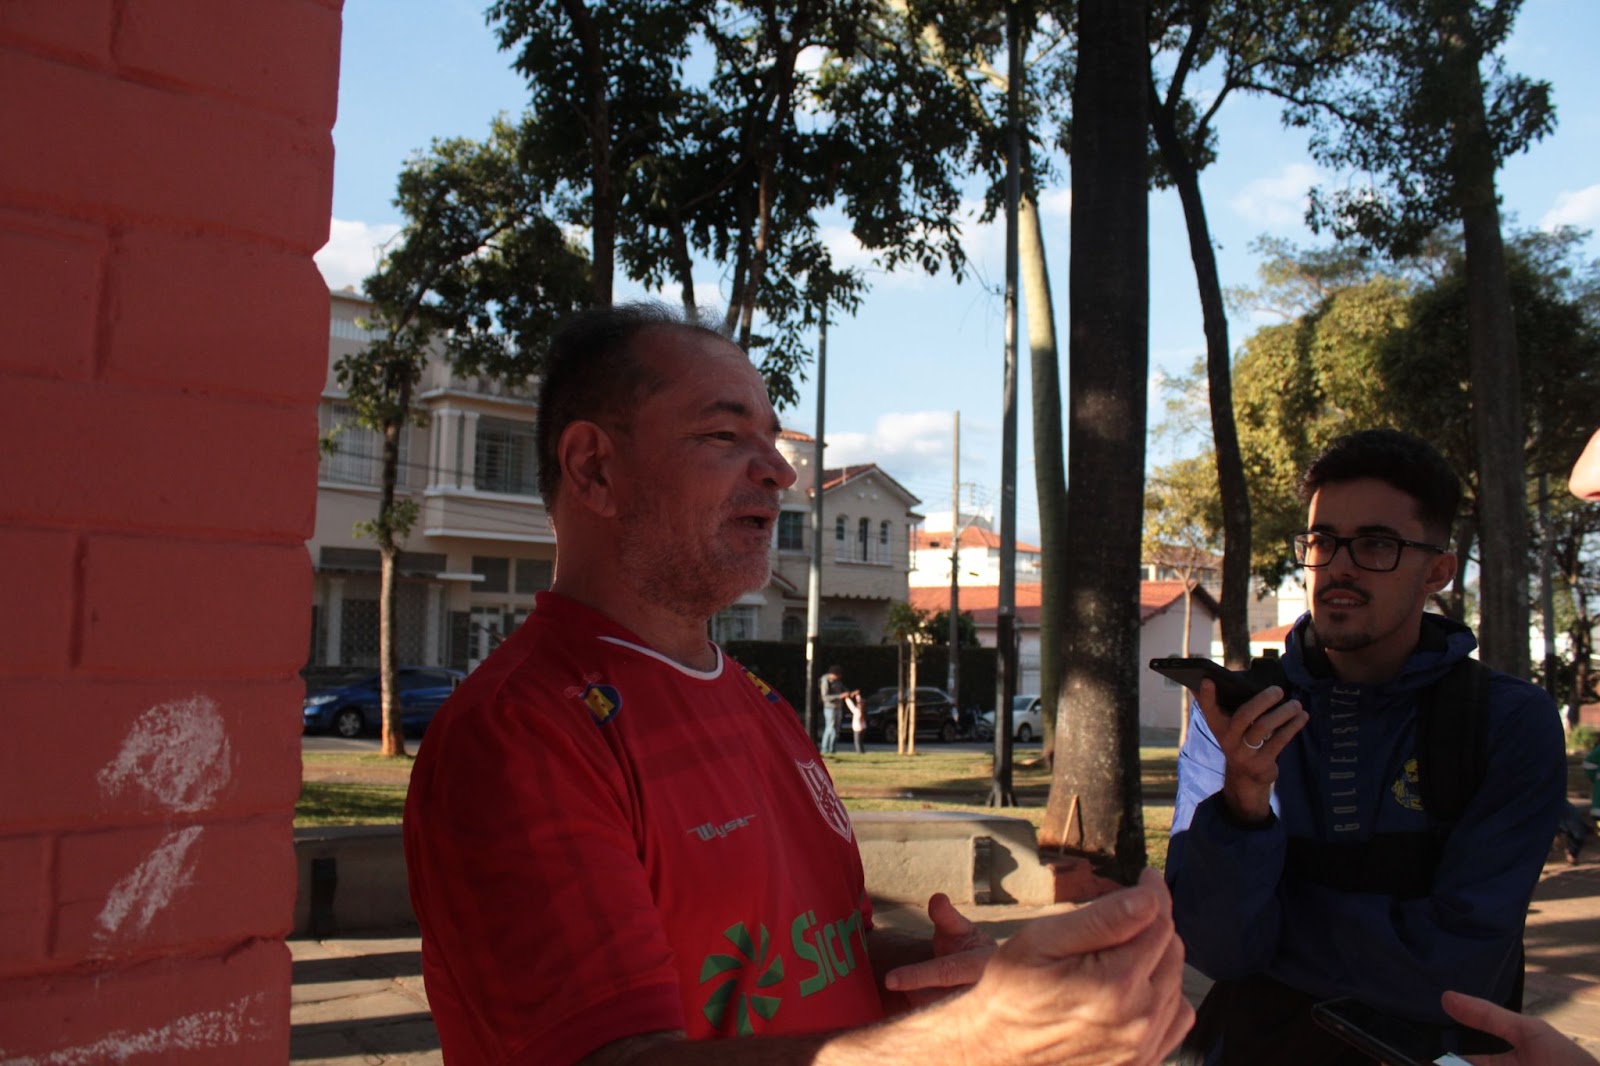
(505, 458)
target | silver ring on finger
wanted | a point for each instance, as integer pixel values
(1257, 746)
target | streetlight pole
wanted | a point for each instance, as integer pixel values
(955, 569)
(1002, 795)
(814, 590)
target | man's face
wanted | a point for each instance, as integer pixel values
(699, 476)
(1363, 615)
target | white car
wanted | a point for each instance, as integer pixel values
(1025, 718)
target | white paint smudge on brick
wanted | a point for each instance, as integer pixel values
(227, 1027)
(177, 752)
(150, 887)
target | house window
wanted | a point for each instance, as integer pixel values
(496, 573)
(357, 452)
(791, 531)
(794, 628)
(863, 539)
(838, 531)
(734, 623)
(505, 458)
(884, 555)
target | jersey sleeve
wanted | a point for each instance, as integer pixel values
(540, 930)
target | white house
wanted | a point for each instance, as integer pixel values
(1161, 629)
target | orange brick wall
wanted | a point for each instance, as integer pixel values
(165, 176)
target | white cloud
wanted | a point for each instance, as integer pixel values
(909, 445)
(352, 251)
(1278, 202)
(1056, 204)
(1581, 209)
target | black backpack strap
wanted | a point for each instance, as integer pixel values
(1453, 740)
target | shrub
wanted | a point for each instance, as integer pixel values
(1583, 738)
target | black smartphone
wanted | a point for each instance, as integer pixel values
(1233, 688)
(1397, 1041)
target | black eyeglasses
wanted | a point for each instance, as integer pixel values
(1369, 551)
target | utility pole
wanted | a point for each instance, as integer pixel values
(1002, 795)
(814, 591)
(955, 568)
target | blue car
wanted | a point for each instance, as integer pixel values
(357, 708)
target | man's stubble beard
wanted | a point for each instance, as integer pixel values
(691, 584)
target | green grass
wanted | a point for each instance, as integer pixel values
(324, 803)
(351, 789)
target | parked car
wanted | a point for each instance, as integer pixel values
(357, 708)
(936, 715)
(1025, 720)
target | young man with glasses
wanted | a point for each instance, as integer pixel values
(1304, 862)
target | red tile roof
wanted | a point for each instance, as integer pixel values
(971, 537)
(983, 601)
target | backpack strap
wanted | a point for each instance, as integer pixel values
(1453, 740)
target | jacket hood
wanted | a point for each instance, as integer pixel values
(1441, 644)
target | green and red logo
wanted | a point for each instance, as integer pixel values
(728, 1005)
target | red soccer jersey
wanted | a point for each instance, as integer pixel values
(601, 843)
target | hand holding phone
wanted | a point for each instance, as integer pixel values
(1233, 688)
(1397, 1041)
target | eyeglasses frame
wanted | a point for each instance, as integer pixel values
(1347, 543)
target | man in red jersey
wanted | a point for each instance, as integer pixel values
(621, 845)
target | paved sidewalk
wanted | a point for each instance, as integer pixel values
(358, 1001)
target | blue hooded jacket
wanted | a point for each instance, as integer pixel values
(1349, 773)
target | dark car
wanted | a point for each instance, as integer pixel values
(357, 708)
(936, 715)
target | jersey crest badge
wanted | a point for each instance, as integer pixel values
(603, 701)
(826, 799)
(1405, 789)
(762, 687)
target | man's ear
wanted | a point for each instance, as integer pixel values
(585, 453)
(1441, 571)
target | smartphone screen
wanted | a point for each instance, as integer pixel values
(1396, 1041)
(1233, 688)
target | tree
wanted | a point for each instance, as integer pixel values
(1382, 347)
(736, 170)
(605, 84)
(1249, 43)
(909, 626)
(1094, 804)
(1430, 130)
(477, 272)
(938, 627)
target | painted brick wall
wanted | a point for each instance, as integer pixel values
(166, 176)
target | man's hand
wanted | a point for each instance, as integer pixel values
(1251, 738)
(1100, 985)
(961, 951)
(1533, 1042)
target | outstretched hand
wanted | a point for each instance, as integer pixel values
(1533, 1042)
(1097, 986)
(961, 951)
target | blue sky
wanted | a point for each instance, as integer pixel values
(922, 347)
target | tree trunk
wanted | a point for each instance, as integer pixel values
(394, 741)
(1492, 347)
(1188, 632)
(1231, 486)
(1097, 759)
(603, 184)
(1049, 462)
